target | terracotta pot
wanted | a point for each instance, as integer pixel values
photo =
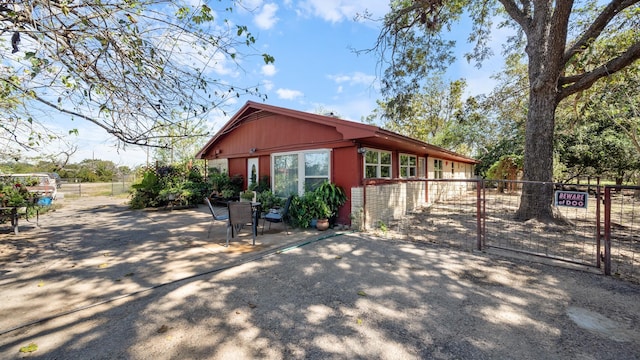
(322, 224)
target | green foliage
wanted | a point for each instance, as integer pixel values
(332, 195)
(600, 36)
(269, 200)
(246, 195)
(169, 183)
(264, 184)
(14, 194)
(113, 71)
(146, 193)
(224, 185)
(428, 114)
(321, 203)
(506, 167)
(299, 211)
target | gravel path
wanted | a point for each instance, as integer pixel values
(305, 296)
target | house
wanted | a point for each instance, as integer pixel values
(298, 150)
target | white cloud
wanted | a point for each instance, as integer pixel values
(288, 94)
(357, 78)
(269, 70)
(266, 18)
(341, 10)
(339, 90)
(268, 85)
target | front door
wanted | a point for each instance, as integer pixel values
(252, 172)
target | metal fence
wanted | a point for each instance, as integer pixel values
(604, 232)
(72, 188)
(622, 231)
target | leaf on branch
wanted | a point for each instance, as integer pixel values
(268, 59)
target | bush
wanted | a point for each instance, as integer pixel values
(269, 200)
(167, 183)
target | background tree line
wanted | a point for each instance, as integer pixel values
(88, 170)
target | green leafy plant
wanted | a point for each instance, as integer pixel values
(160, 186)
(269, 200)
(333, 196)
(247, 195)
(14, 194)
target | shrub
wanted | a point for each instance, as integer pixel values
(159, 186)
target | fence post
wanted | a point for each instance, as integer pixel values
(598, 229)
(479, 213)
(607, 230)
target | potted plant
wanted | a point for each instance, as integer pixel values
(319, 211)
(323, 218)
(247, 196)
(333, 196)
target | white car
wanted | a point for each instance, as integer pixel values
(38, 183)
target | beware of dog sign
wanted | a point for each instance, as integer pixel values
(575, 199)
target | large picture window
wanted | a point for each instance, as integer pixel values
(408, 165)
(295, 173)
(377, 164)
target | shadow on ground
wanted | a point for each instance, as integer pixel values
(173, 293)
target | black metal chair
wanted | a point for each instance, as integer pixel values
(216, 217)
(278, 215)
(241, 214)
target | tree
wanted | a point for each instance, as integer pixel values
(427, 114)
(180, 148)
(557, 38)
(132, 67)
(599, 131)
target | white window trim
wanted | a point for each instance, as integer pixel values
(378, 165)
(301, 173)
(437, 169)
(400, 166)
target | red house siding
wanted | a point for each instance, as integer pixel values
(260, 130)
(275, 133)
(238, 166)
(347, 173)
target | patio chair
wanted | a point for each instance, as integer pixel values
(278, 216)
(241, 214)
(216, 217)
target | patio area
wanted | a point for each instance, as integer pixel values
(94, 250)
(99, 280)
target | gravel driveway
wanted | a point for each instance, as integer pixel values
(113, 283)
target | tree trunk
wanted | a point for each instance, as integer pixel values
(537, 195)
(546, 41)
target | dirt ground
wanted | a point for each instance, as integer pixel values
(96, 280)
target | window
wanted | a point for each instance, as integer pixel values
(377, 164)
(453, 169)
(316, 169)
(294, 173)
(285, 174)
(408, 165)
(422, 167)
(437, 169)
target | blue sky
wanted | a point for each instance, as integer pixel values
(315, 68)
